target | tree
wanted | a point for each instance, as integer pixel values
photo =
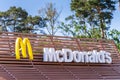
(115, 35)
(33, 24)
(95, 12)
(74, 27)
(4, 20)
(50, 14)
(18, 20)
(94, 33)
(16, 17)
(77, 28)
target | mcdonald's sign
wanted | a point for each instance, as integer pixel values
(64, 55)
(23, 46)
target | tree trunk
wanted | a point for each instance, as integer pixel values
(4, 27)
(14, 26)
(102, 29)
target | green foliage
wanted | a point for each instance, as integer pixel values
(16, 17)
(73, 27)
(77, 28)
(94, 33)
(115, 35)
(95, 12)
(4, 20)
(30, 23)
(18, 20)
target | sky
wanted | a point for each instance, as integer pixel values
(32, 7)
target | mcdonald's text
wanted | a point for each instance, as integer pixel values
(67, 55)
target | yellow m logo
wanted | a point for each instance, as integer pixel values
(23, 45)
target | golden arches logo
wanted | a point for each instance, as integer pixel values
(23, 45)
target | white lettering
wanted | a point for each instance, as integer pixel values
(92, 58)
(59, 56)
(67, 55)
(49, 55)
(101, 57)
(108, 58)
(76, 56)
